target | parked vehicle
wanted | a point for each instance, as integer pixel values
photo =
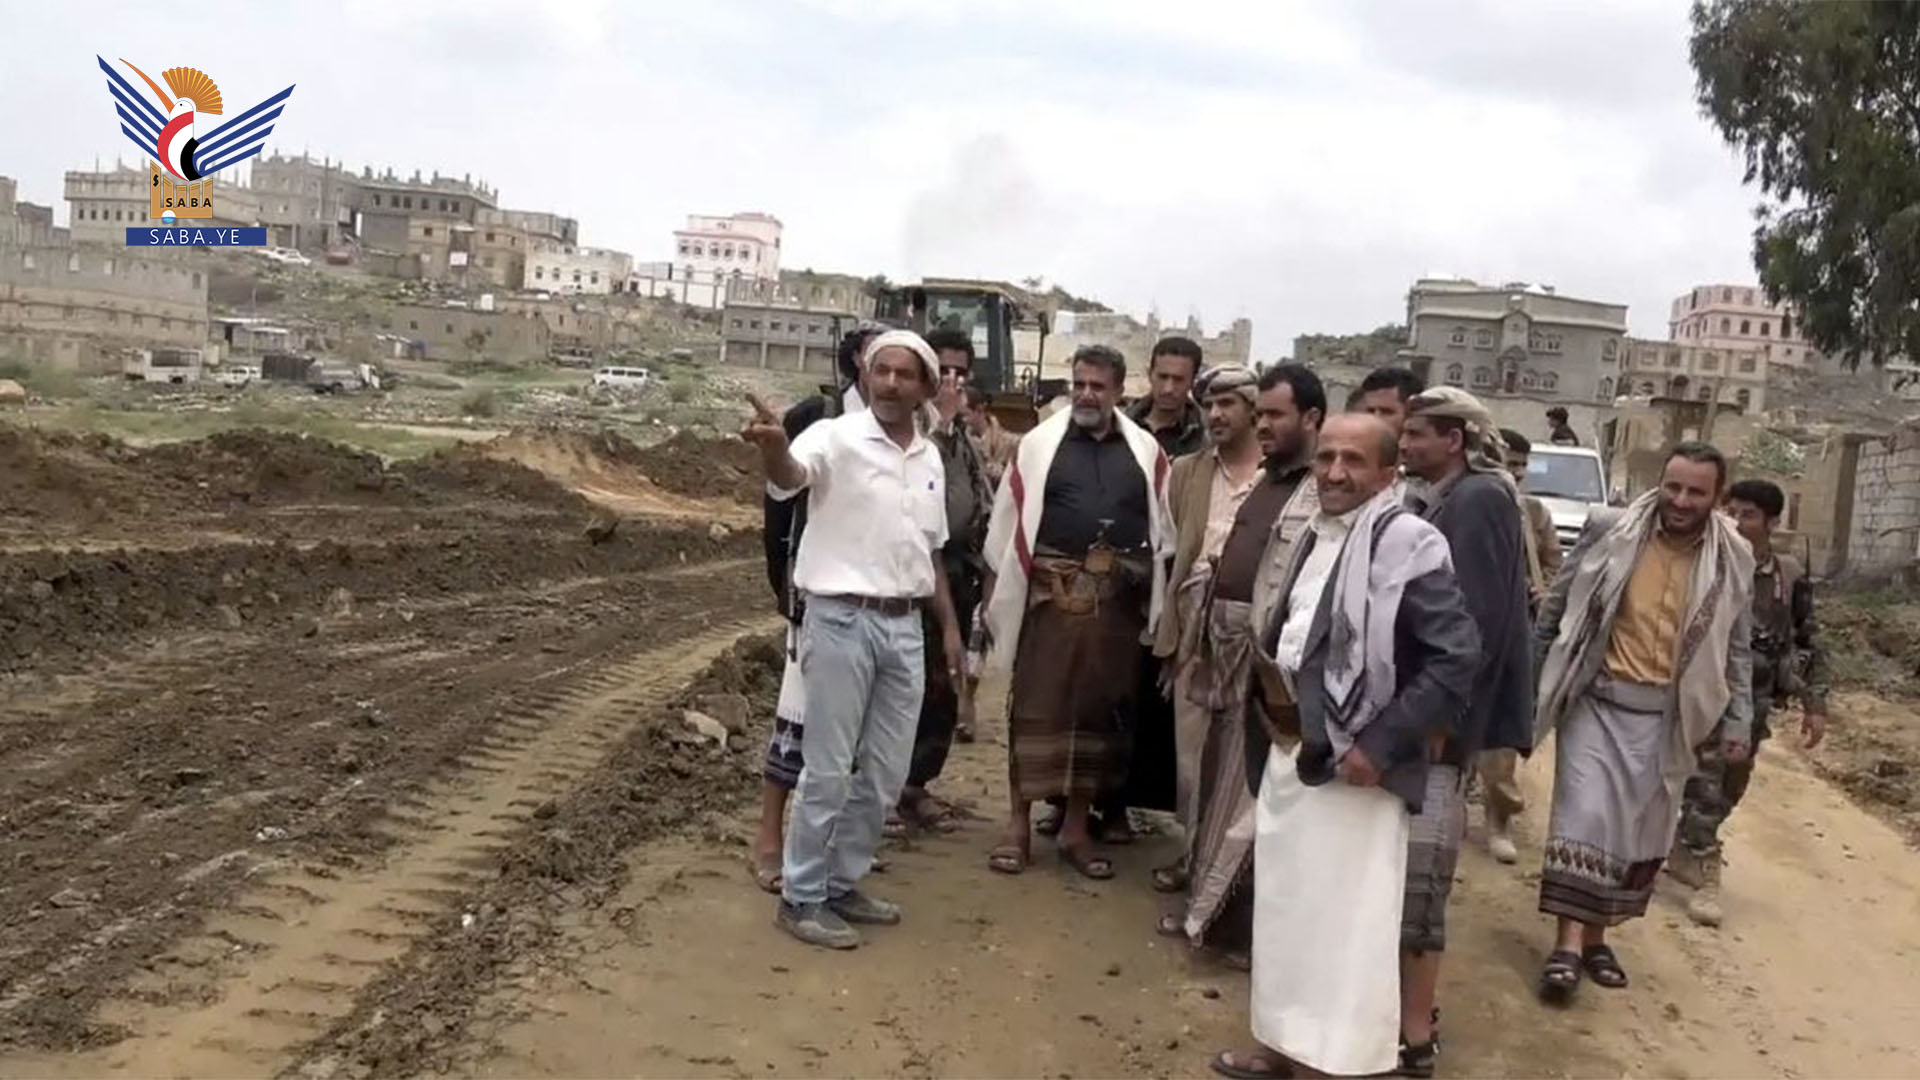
(286, 255)
(174, 366)
(236, 374)
(1571, 481)
(622, 378)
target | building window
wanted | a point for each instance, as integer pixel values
(1457, 337)
(813, 328)
(1746, 362)
(489, 238)
(1673, 358)
(1553, 343)
(683, 247)
(539, 273)
(26, 260)
(1744, 397)
(753, 324)
(1483, 338)
(1550, 381)
(413, 324)
(1789, 354)
(1746, 326)
(1705, 392)
(1766, 328)
(1527, 380)
(736, 324)
(426, 230)
(1710, 361)
(1455, 374)
(406, 203)
(1726, 296)
(576, 277)
(1482, 376)
(1610, 350)
(456, 206)
(73, 263)
(593, 278)
(1786, 326)
(449, 328)
(1606, 389)
(376, 200)
(1726, 326)
(773, 324)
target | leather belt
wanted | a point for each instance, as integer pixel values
(885, 605)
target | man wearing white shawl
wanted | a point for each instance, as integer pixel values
(1076, 550)
(1375, 648)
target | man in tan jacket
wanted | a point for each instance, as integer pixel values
(1205, 490)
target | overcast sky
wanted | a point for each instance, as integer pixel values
(1295, 163)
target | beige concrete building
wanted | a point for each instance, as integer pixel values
(737, 245)
(71, 306)
(1135, 340)
(1729, 376)
(1515, 339)
(103, 204)
(306, 203)
(782, 337)
(804, 288)
(443, 333)
(1739, 317)
(428, 223)
(566, 269)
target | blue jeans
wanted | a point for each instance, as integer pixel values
(865, 675)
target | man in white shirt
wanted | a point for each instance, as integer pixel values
(868, 562)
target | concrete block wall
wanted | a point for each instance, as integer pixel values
(1885, 531)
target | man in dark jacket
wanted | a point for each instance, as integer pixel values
(1449, 445)
(1374, 643)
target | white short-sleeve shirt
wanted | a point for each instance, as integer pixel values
(875, 513)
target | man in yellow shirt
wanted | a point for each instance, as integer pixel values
(1643, 646)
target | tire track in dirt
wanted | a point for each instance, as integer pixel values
(282, 964)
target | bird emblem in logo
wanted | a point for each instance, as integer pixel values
(176, 133)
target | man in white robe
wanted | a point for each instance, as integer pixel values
(1375, 648)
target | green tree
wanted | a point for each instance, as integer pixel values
(1823, 101)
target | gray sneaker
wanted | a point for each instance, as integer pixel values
(816, 924)
(857, 907)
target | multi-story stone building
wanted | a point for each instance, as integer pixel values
(306, 204)
(443, 333)
(1739, 317)
(1515, 340)
(1669, 369)
(71, 305)
(103, 204)
(429, 223)
(742, 245)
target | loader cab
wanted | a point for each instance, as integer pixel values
(989, 318)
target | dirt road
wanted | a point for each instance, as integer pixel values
(682, 974)
(315, 765)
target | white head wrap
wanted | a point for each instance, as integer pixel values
(914, 343)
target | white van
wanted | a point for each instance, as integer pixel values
(1571, 481)
(622, 378)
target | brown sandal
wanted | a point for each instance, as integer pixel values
(768, 875)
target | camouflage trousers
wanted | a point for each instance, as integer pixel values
(1715, 788)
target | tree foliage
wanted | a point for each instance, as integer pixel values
(1823, 101)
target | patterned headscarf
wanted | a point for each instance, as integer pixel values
(1225, 378)
(1457, 404)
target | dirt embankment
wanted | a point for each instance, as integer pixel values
(684, 474)
(1873, 746)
